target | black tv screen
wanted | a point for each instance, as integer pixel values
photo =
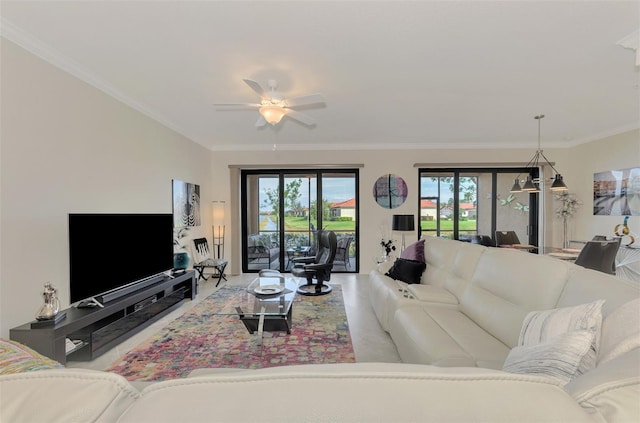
(109, 251)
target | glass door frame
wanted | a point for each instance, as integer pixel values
(318, 173)
(532, 227)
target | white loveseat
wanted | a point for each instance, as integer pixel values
(469, 307)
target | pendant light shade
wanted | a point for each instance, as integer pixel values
(558, 184)
(516, 186)
(530, 186)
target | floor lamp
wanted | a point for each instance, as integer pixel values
(403, 223)
(218, 228)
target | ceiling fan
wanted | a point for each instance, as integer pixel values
(274, 106)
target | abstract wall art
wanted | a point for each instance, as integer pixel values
(186, 204)
(617, 192)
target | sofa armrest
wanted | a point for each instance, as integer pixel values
(65, 395)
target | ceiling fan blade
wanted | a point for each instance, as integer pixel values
(304, 100)
(237, 105)
(261, 122)
(301, 117)
(255, 87)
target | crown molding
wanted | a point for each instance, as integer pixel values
(47, 53)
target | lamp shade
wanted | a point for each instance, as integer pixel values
(403, 222)
(530, 186)
(516, 186)
(558, 184)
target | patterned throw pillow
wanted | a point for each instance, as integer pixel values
(557, 358)
(18, 358)
(541, 326)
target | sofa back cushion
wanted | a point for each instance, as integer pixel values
(586, 285)
(506, 285)
(450, 264)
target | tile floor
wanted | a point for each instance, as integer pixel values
(370, 342)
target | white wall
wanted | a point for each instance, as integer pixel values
(67, 147)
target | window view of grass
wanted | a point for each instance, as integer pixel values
(447, 225)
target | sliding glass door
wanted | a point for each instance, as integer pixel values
(463, 203)
(282, 211)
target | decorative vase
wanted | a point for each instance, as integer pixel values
(565, 237)
(180, 260)
(51, 304)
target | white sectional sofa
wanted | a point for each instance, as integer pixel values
(469, 307)
(465, 316)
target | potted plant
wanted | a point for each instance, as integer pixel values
(568, 206)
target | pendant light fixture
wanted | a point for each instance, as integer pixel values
(532, 185)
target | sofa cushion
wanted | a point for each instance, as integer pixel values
(507, 285)
(65, 395)
(611, 390)
(414, 251)
(17, 358)
(431, 294)
(540, 326)
(409, 271)
(359, 392)
(558, 357)
(445, 337)
(620, 331)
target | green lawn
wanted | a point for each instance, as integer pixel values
(302, 224)
(447, 225)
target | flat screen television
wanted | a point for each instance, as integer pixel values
(108, 252)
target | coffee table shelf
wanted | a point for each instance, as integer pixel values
(261, 313)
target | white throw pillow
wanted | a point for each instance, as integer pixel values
(541, 326)
(620, 331)
(558, 357)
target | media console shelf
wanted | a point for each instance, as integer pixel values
(96, 330)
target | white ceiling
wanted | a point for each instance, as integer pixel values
(395, 74)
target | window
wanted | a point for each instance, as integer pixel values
(462, 203)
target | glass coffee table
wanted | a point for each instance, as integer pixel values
(265, 305)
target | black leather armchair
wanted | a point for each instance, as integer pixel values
(318, 267)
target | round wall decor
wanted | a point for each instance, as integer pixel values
(390, 191)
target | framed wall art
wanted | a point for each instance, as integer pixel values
(617, 192)
(186, 204)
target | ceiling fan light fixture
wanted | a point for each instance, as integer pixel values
(272, 114)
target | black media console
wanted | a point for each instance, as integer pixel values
(96, 330)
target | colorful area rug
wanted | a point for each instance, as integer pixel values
(200, 339)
